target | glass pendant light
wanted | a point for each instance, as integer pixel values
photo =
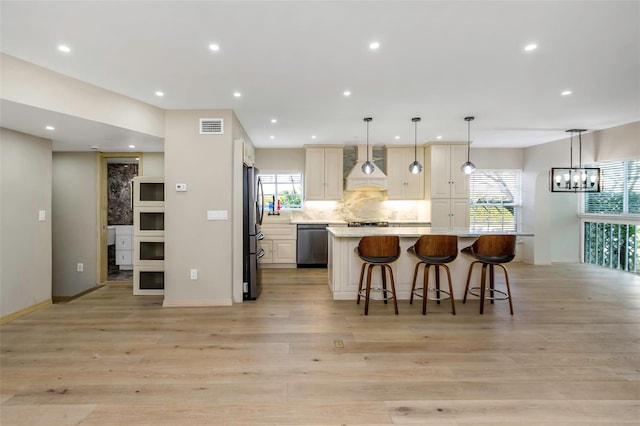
(415, 167)
(368, 167)
(468, 167)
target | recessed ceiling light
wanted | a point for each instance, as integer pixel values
(237, 94)
(64, 48)
(313, 136)
(274, 121)
(347, 93)
(566, 93)
(50, 128)
(159, 93)
(374, 45)
(397, 137)
(132, 146)
(214, 47)
(530, 47)
(439, 137)
(272, 137)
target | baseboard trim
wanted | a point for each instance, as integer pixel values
(194, 303)
(66, 299)
(22, 312)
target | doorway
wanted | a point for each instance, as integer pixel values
(116, 215)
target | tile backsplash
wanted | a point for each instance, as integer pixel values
(363, 206)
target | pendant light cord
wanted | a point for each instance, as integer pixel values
(415, 141)
(367, 141)
(468, 140)
(571, 152)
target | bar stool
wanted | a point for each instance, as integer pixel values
(490, 250)
(378, 251)
(433, 250)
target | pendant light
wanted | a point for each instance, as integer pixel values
(368, 167)
(468, 167)
(575, 179)
(415, 167)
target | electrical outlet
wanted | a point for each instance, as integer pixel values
(194, 274)
(80, 267)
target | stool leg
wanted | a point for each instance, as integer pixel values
(425, 286)
(506, 278)
(483, 282)
(360, 282)
(492, 283)
(393, 289)
(466, 288)
(368, 290)
(413, 285)
(384, 283)
(437, 273)
(453, 305)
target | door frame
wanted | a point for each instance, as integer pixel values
(103, 207)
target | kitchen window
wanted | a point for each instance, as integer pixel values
(282, 186)
(494, 200)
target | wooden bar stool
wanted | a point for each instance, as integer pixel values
(378, 251)
(434, 250)
(490, 250)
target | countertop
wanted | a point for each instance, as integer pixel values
(414, 231)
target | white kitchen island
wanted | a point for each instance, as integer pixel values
(344, 264)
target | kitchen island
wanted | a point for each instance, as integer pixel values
(344, 264)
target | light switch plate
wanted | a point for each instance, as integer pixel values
(194, 274)
(42, 215)
(181, 187)
(217, 215)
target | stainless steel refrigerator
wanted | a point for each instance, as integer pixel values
(253, 210)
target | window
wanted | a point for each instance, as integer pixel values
(285, 187)
(494, 199)
(620, 189)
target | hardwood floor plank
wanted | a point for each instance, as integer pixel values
(569, 355)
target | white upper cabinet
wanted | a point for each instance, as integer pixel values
(444, 178)
(323, 173)
(449, 213)
(402, 184)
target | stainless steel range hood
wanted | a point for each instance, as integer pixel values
(357, 180)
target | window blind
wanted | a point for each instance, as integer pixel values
(620, 189)
(495, 198)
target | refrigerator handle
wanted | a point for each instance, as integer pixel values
(260, 202)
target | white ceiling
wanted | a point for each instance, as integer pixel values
(292, 61)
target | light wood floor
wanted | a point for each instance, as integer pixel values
(569, 356)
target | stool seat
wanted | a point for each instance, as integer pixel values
(437, 251)
(378, 251)
(490, 251)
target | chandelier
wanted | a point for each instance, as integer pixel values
(575, 179)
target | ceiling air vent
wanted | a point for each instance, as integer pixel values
(211, 126)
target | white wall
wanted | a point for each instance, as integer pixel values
(75, 226)
(25, 242)
(153, 164)
(205, 164)
(270, 159)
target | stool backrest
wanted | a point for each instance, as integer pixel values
(379, 246)
(436, 245)
(499, 246)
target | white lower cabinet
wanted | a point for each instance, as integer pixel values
(124, 247)
(279, 244)
(449, 213)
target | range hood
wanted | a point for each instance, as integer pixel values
(357, 180)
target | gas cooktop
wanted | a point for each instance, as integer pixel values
(362, 224)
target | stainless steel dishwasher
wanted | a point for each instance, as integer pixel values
(312, 245)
